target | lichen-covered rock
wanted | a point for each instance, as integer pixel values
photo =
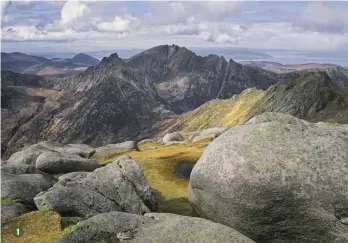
(11, 211)
(58, 163)
(18, 191)
(275, 181)
(170, 137)
(153, 227)
(119, 186)
(115, 148)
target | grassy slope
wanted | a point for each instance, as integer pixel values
(158, 166)
(221, 113)
(42, 226)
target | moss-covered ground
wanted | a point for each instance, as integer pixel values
(158, 166)
(42, 226)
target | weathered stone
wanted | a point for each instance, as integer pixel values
(153, 227)
(51, 158)
(18, 191)
(110, 149)
(11, 211)
(57, 163)
(119, 186)
(170, 137)
(276, 182)
(212, 133)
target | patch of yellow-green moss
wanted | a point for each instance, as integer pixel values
(43, 226)
(148, 144)
(158, 166)
(5, 201)
(222, 113)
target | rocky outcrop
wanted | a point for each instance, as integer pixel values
(153, 227)
(52, 158)
(119, 186)
(171, 137)
(275, 181)
(18, 191)
(110, 149)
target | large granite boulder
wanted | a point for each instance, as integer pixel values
(119, 186)
(276, 182)
(51, 158)
(18, 192)
(153, 227)
(110, 149)
(170, 137)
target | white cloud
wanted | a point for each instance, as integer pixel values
(73, 10)
(319, 17)
(4, 6)
(119, 24)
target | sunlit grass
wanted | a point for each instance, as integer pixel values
(158, 166)
(42, 226)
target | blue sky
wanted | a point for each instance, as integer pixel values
(90, 26)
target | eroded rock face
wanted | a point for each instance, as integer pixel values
(153, 227)
(275, 181)
(115, 148)
(52, 158)
(119, 186)
(171, 137)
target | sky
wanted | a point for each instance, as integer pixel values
(39, 26)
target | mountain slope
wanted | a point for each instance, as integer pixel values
(22, 98)
(119, 100)
(337, 73)
(312, 97)
(18, 62)
(187, 80)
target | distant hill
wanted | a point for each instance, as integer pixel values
(57, 67)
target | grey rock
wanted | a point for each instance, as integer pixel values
(119, 186)
(51, 158)
(18, 191)
(147, 141)
(11, 211)
(115, 148)
(213, 133)
(276, 182)
(57, 163)
(279, 117)
(153, 227)
(173, 143)
(170, 137)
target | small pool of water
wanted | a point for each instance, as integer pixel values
(184, 170)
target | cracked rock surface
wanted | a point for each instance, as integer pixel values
(119, 186)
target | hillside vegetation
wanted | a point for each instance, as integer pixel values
(312, 97)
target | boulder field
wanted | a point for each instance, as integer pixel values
(276, 179)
